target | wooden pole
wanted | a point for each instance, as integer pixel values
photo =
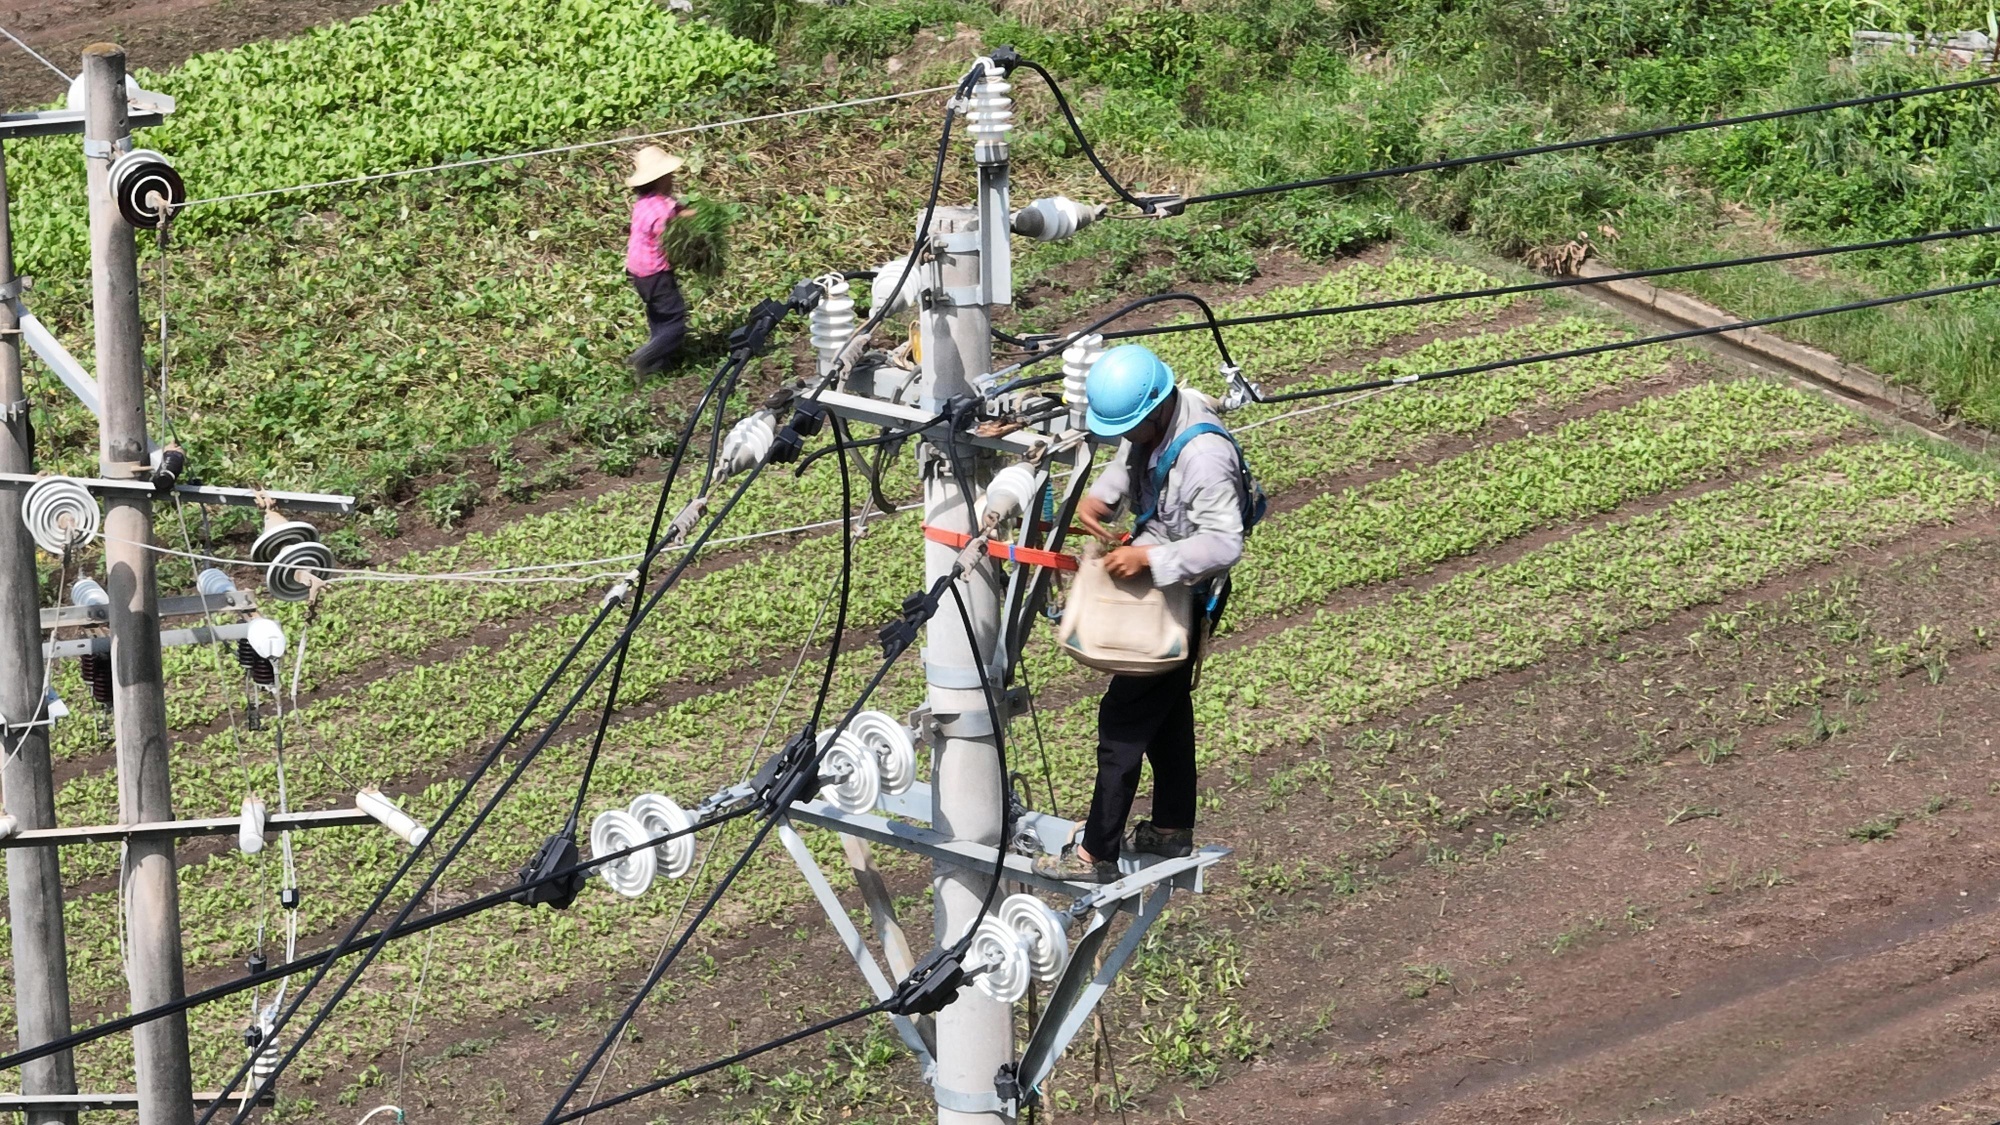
(153, 964)
(34, 875)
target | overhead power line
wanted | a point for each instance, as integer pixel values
(1626, 345)
(1591, 142)
(1218, 323)
(556, 150)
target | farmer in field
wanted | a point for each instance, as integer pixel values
(653, 207)
(1179, 469)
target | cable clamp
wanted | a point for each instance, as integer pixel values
(931, 985)
(14, 411)
(1161, 206)
(1405, 380)
(106, 150)
(14, 288)
(616, 595)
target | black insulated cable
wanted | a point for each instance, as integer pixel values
(465, 836)
(1544, 286)
(1626, 345)
(1590, 142)
(1083, 142)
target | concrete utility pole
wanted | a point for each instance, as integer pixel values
(153, 962)
(34, 875)
(975, 1033)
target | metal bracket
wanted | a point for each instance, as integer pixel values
(958, 1101)
(864, 958)
(106, 150)
(62, 122)
(9, 290)
(1083, 984)
(181, 829)
(169, 638)
(51, 351)
(14, 411)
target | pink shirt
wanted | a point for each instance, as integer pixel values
(650, 215)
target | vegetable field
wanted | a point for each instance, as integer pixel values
(1599, 740)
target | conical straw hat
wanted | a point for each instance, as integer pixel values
(652, 163)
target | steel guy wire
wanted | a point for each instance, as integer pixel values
(526, 759)
(37, 55)
(502, 576)
(410, 1024)
(1591, 142)
(556, 150)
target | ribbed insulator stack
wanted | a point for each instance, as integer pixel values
(96, 671)
(992, 116)
(262, 672)
(1077, 359)
(832, 320)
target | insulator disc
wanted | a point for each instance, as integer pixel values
(854, 780)
(614, 830)
(288, 571)
(138, 175)
(1000, 951)
(279, 534)
(59, 512)
(895, 752)
(1041, 930)
(658, 816)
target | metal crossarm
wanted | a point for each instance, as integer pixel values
(1083, 984)
(205, 826)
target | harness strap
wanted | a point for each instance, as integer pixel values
(1171, 454)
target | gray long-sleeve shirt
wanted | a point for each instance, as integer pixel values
(1197, 531)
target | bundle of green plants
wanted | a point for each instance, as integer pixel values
(697, 241)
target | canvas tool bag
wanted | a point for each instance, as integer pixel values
(1125, 625)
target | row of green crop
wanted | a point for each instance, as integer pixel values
(362, 622)
(1593, 585)
(1410, 521)
(723, 621)
(411, 83)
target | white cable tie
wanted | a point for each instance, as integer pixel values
(1406, 380)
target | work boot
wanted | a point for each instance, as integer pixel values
(1071, 867)
(1167, 843)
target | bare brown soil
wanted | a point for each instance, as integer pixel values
(156, 34)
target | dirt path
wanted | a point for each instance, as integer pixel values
(155, 33)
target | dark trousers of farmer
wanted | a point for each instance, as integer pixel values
(666, 317)
(1143, 718)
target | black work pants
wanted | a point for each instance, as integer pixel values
(1143, 718)
(666, 319)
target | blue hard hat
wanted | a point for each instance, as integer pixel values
(1124, 386)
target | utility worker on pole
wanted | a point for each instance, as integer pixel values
(1181, 471)
(653, 207)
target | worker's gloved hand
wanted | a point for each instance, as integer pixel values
(1128, 562)
(1092, 513)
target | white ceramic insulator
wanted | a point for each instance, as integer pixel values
(660, 816)
(851, 778)
(250, 830)
(214, 583)
(748, 443)
(1077, 360)
(1055, 218)
(267, 638)
(833, 319)
(992, 115)
(1011, 494)
(264, 1061)
(288, 575)
(615, 830)
(998, 950)
(88, 592)
(882, 301)
(59, 513)
(373, 802)
(894, 748)
(1041, 931)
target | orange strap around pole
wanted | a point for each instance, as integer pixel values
(1029, 555)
